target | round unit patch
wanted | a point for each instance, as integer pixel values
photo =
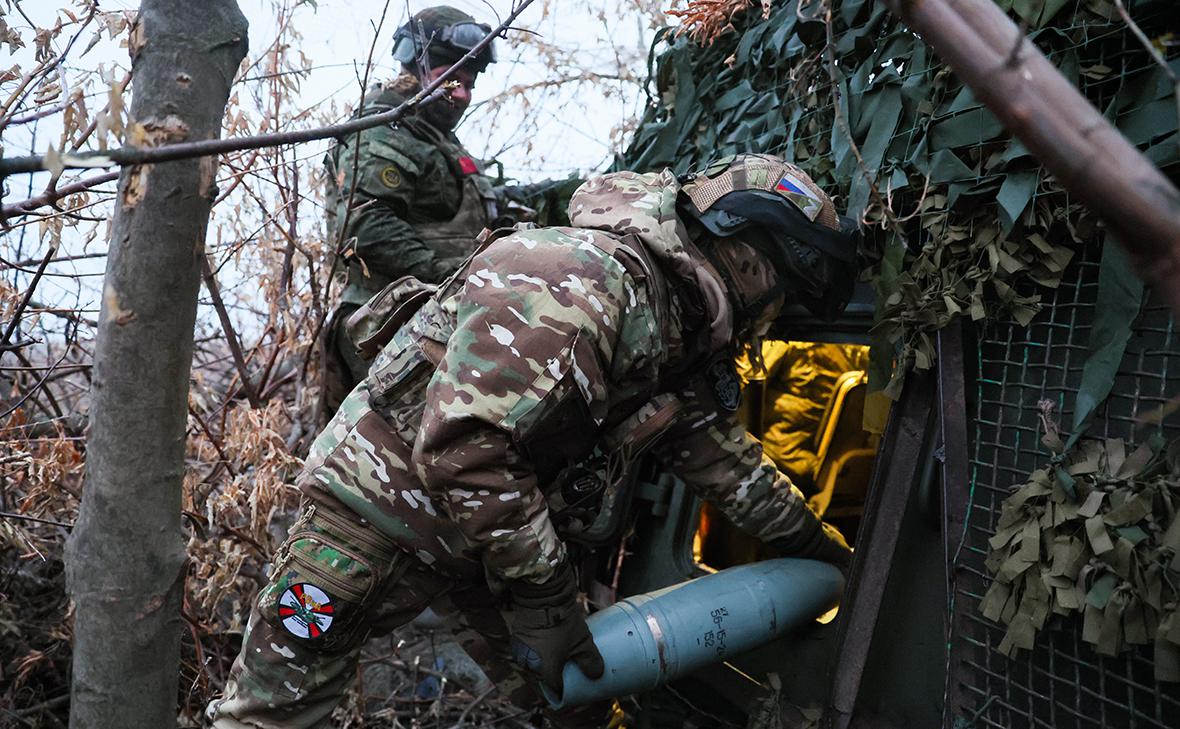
(306, 610)
(391, 178)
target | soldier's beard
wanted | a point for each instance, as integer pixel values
(443, 114)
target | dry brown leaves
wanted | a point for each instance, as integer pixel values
(706, 20)
(238, 500)
(41, 478)
(273, 263)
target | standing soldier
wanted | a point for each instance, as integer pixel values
(405, 199)
(452, 467)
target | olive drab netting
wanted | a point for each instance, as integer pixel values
(963, 219)
(1074, 514)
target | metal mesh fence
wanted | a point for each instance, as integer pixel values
(1062, 682)
(960, 187)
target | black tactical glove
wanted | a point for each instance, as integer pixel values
(816, 540)
(549, 628)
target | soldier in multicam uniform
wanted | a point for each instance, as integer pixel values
(405, 198)
(444, 470)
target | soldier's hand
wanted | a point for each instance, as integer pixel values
(549, 629)
(814, 539)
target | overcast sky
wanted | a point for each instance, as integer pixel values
(573, 132)
(535, 137)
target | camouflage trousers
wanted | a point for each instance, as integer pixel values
(333, 584)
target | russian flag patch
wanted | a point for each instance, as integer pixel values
(794, 190)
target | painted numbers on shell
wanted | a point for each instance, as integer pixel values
(306, 610)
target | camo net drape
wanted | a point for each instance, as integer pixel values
(876, 119)
(962, 221)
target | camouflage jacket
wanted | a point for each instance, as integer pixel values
(418, 200)
(534, 354)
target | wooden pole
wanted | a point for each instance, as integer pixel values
(1089, 157)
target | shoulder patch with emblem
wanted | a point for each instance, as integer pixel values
(391, 178)
(306, 610)
(723, 379)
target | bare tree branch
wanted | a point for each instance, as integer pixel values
(20, 309)
(42, 71)
(231, 336)
(62, 259)
(432, 92)
(51, 196)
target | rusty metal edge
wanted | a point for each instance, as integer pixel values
(956, 493)
(892, 483)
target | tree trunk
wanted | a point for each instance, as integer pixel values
(125, 559)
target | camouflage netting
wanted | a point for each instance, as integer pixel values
(962, 221)
(961, 218)
(1108, 558)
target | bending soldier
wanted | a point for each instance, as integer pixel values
(405, 199)
(442, 472)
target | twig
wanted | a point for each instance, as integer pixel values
(249, 540)
(264, 378)
(71, 315)
(53, 703)
(61, 259)
(57, 409)
(74, 424)
(15, 346)
(231, 336)
(92, 127)
(274, 386)
(23, 269)
(25, 517)
(334, 251)
(870, 175)
(214, 440)
(292, 234)
(129, 155)
(474, 703)
(195, 629)
(30, 393)
(20, 309)
(38, 115)
(43, 71)
(51, 196)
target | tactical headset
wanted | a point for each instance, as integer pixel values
(816, 264)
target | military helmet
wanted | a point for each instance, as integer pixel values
(776, 209)
(440, 36)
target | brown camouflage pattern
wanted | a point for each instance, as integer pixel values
(520, 365)
(513, 370)
(281, 680)
(762, 172)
